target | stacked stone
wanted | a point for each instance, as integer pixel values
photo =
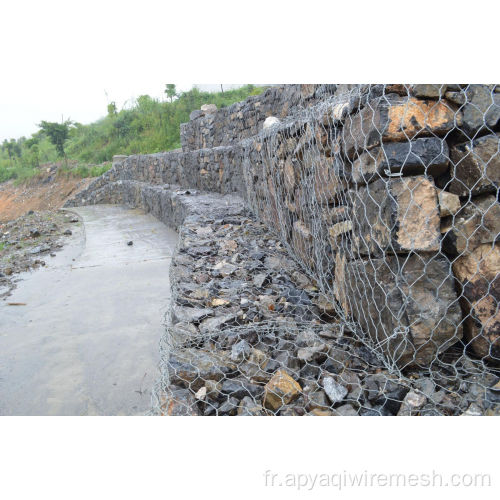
(250, 334)
(212, 128)
(393, 192)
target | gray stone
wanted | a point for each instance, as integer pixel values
(333, 390)
(213, 324)
(240, 351)
(414, 300)
(191, 368)
(475, 166)
(428, 155)
(191, 314)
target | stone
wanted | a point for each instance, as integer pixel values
(345, 411)
(481, 111)
(382, 389)
(259, 280)
(337, 234)
(396, 215)
(335, 391)
(130, 243)
(317, 412)
(190, 314)
(329, 177)
(255, 366)
(179, 403)
(270, 121)
(201, 394)
(428, 90)
(210, 325)
(477, 222)
(472, 411)
(208, 109)
(39, 249)
(197, 113)
(183, 333)
(191, 368)
(318, 400)
(240, 351)
(413, 300)
(475, 166)
(118, 159)
(218, 302)
(34, 233)
(240, 388)
(281, 390)
(312, 354)
(325, 304)
(449, 204)
(393, 118)
(427, 155)
(249, 408)
(224, 269)
(229, 407)
(479, 274)
(301, 241)
(412, 403)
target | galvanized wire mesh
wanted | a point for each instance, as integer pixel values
(371, 284)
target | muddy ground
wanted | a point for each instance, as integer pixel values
(28, 241)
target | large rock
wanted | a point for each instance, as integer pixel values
(280, 391)
(407, 306)
(475, 223)
(208, 109)
(427, 155)
(191, 367)
(396, 215)
(479, 273)
(329, 178)
(475, 166)
(179, 403)
(481, 109)
(394, 118)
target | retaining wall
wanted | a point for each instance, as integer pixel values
(386, 194)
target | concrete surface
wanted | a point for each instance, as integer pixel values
(86, 342)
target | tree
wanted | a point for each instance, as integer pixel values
(13, 149)
(112, 109)
(170, 91)
(57, 134)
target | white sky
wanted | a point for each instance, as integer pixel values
(58, 57)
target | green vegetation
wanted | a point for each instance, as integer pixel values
(148, 126)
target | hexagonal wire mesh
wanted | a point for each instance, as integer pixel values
(365, 282)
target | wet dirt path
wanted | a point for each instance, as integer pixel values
(86, 342)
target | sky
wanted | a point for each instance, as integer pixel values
(69, 59)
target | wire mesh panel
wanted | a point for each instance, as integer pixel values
(365, 280)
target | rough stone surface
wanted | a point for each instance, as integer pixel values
(478, 273)
(477, 222)
(428, 155)
(394, 299)
(475, 166)
(396, 215)
(393, 118)
(281, 390)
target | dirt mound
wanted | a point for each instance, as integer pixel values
(45, 192)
